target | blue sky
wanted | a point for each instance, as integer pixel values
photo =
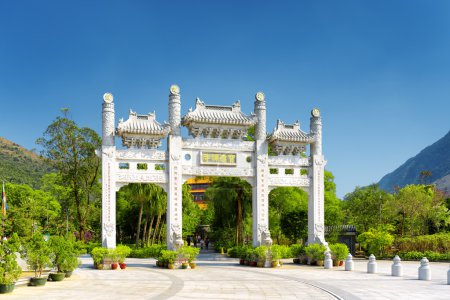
(378, 70)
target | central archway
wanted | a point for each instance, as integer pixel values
(216, 148)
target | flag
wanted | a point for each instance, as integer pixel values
(3, 200)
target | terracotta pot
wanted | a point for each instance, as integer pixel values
(123, 266)
(335, 263)
(99, 266)
(319, 263)
(192, 265)
(341, 263)
(7, 288)
(114, 266)
(241, 261)
(170, 266)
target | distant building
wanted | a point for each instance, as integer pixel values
(198, 187)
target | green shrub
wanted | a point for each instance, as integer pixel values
(339, 251)
(439, 242)
(168, 256)
(148, 252)
(431, 255)
(37, 254)
(122, 252)
(376, 240)
(98, 254)
(315, 252)
(64, 253)
(260, 253)
(9, 268)
(297, 250)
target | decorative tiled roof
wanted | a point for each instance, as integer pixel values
(289, 139)
(215, 114)
(142, 131)
(214, 121)
(142, 124)
(290, 133)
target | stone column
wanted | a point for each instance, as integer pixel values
(174, 172)
(316, 216)
(260, 191)
(108, 174)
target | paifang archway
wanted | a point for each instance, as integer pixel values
(216, 148)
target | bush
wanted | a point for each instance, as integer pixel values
(188, 253)
(260, 253)
(37, 253)
(122, 252)
(297, 250)
(376, 241)
(168, 256)
(9, 268)
(147, 252)
(98, 254)
(315, 252)
(64, 253)
(431, 255)
(439, 242)
(339, 251)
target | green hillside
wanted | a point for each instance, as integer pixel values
(19, 165)
(434, 158)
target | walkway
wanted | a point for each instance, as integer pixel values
(218, 277)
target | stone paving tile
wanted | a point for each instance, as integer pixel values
(225, 279)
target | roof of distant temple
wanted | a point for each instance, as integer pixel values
(215, 114)
(290, 133)
(142, 125)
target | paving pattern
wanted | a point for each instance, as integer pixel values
(217, 277)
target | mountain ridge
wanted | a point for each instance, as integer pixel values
(434, 158)
(21, 166)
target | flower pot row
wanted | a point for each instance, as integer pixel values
(259, 263)
(168, 265)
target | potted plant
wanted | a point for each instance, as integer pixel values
(113, 257)
(122, 253)
(297, 251)
(62, 249)
(260, 255)
(169, 256)
(339, 252)
(191, 255)
(316, 253)
(9, 268)
(98, 254)
(37, 253)
(276, 255)
(69, 264)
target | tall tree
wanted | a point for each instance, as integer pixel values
(231, 199)
(71, 150)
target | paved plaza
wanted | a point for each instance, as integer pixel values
(218, 277)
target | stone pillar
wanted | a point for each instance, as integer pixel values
(328, 264)
(260, 191)
(424, 269)
(372, 264)
(316, 216)
(174, 172)
(108, 174)
(396, 268)
(349, 263)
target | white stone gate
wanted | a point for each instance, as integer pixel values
(216, 148)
